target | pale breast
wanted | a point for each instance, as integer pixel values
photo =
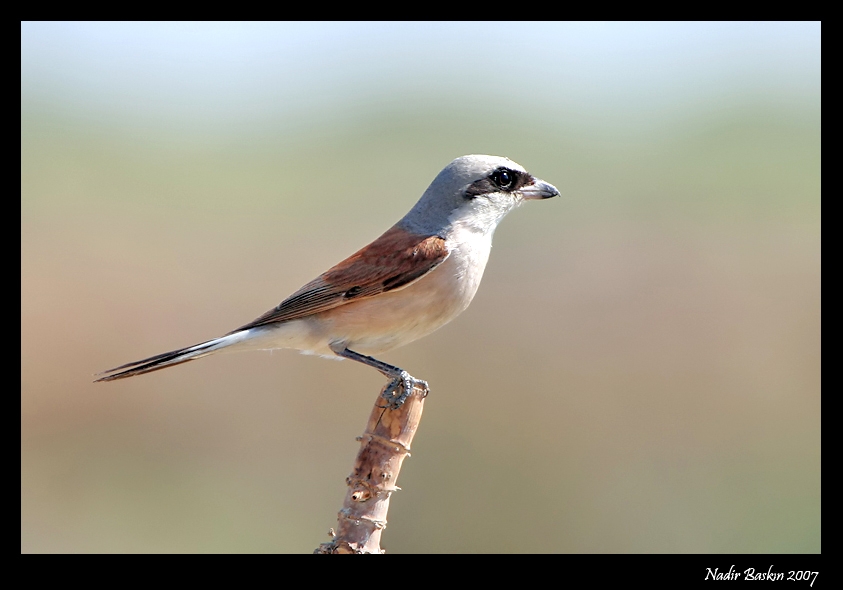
(395, 318)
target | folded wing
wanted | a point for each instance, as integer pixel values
(394, 260)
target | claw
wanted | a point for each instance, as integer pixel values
(407, 383)
(389, 391)
(398, 378)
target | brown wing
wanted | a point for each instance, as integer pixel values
(392, 261)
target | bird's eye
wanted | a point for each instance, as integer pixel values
(503, 178)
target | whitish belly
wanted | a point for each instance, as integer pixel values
(399, 317)
(389, 320)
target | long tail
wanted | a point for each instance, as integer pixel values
(168, 359)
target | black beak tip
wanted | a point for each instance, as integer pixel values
(541, 190)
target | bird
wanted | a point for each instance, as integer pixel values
(415, 278)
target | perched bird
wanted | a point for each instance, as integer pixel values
(413, 279)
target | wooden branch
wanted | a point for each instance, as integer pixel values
(383, 447)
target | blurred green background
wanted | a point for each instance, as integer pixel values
(639, 372)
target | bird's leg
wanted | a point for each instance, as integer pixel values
(399, 378)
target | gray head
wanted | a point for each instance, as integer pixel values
(475, 193)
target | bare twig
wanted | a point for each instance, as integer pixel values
(383, 447)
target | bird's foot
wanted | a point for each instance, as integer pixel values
(400, 388)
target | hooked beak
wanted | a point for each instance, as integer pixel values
(539, 189)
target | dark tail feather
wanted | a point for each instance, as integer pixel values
(162, 361)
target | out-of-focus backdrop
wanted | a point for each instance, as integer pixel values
(639, 372)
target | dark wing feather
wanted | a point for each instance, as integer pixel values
(392, 261)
